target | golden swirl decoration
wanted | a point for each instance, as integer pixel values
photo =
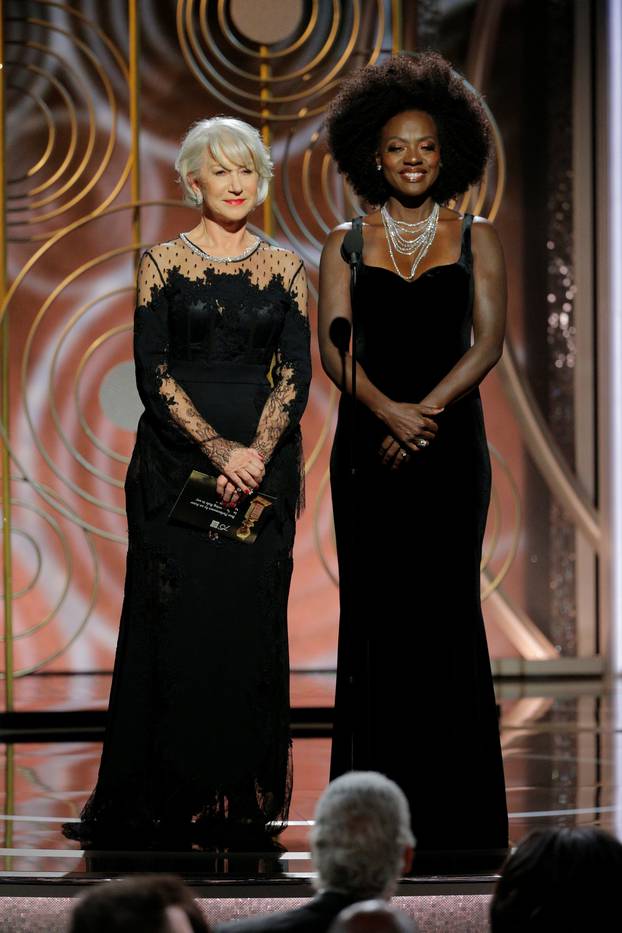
(55, 555)
(258, 72)
(63, 74)
(72, 344)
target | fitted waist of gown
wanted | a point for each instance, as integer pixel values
(201, 371)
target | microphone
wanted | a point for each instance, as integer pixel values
(352, 246)
(339, 333)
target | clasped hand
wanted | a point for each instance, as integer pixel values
(243, 472)
(408, 423)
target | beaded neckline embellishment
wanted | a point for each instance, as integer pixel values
(226, 259)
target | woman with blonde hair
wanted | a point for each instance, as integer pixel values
(197, 747)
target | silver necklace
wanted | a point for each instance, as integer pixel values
(201, 252)
(409, 239)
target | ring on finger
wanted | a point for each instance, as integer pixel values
(421, 442)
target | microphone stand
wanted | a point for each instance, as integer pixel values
(360, 740)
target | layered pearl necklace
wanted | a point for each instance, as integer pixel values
(409, 239)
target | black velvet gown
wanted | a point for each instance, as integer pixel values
(415, 696)
(197, 746)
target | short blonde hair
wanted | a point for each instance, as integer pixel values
(228, 140)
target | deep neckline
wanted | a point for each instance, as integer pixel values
(442, 265)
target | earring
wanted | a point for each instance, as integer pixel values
(198, 197)
(378, 167)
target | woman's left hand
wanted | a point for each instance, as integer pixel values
(392, 454)
(229, 493)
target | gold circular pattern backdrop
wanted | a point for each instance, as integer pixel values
(68, 455)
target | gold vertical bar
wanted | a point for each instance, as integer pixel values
(7, 575)
(134, 79)
(397, 38)
(264, 72)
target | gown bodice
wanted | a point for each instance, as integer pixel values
(411, 334)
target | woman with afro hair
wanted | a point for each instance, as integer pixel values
(410, 469)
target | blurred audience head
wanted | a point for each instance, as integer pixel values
(560, 879)
(372, 917)
(362, 842)
(139, 905)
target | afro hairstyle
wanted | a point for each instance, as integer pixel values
(369, 98)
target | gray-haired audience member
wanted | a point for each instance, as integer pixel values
(361, 845)
(372, 917)
(560, 879)
(158, 904)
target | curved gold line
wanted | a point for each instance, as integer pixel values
(90, 144)
(58, 235)
(306, 184)
(96, 212)
(68, 280)
(210, 72)
(519, 628)
(542, 446)
(17, 594)
(55, 501)
(482, 38)
(51, 497)
(107, 155)
(54, 525)
(96, 344)
(481, 195)
(235, 42)
(110, 45)
(290, 201)
(73, 126)
(56, 654)
(325, 85)
(291, 75)
(327, 164)
(79, 313)
(51, 134)
(121, 64)
(315, 453)
(380, 28)
(298, 245)
(492, 535)
(513, 550)
(316, 528)
(501, 168)
(522, 710)
(352, 199)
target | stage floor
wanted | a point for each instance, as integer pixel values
(560, 742)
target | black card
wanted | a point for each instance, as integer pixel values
(199, 505)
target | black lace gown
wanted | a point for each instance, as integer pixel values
(415, 696)
(197, 745)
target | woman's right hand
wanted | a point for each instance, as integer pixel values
(244, 468)
(408, 422)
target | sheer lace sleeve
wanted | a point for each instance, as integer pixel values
(291, 374)
(164, 400)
